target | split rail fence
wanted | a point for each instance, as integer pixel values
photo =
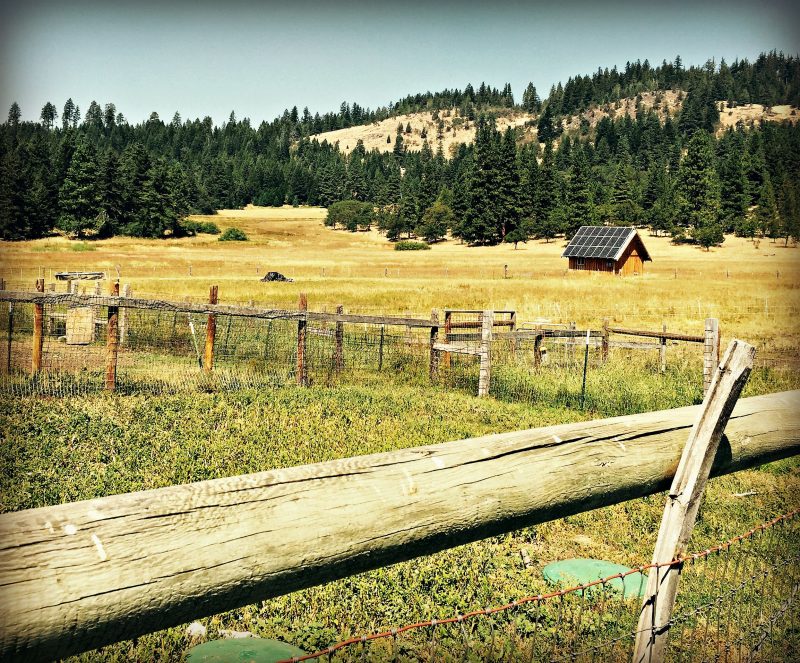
(66, 343)
(74, 577)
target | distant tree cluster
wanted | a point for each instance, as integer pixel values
(96, 175)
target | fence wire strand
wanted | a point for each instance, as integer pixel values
(737, 602)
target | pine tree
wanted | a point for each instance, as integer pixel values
(79, 196)
(579, 198)
(626, 209)
(482, 223)
(48, 115)
(698, 189)
(508, 193)
(68, 114)
(436, 221)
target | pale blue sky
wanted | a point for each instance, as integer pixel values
(258, 58)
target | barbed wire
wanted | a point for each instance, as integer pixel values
(750, 567)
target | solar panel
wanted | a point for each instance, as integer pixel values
(598, 242)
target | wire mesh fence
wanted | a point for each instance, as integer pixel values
(737, 601)
(162, 347)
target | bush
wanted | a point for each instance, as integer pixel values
(193, 228)
(233, 235)
(408, 245)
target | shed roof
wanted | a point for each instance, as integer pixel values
(602, 242)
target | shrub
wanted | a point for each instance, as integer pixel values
(192, 228)
(233, 235)
(208, 228)
(408, 245)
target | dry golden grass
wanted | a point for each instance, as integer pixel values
(752, 289)
(665, 102)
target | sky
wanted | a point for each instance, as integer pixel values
(258, 58)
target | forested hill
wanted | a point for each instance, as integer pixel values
(95, 174)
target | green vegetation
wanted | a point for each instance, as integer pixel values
(97, 175)
(411, 245)
(192, 227)
(60, 450)
(233, 235)
(350, 215)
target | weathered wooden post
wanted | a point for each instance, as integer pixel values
(112, 341)
(380, 349)
(10, 335)
(604, 343)
(537, 347)
(662, 350)
(433, 370)
(710, 352)
(448, 322)
(338, 354)
(685, 496)
(38, 331)
(302, 325)
(2, 284)
(485, 374)
(513, 328)
(211, 331)
(123, 317)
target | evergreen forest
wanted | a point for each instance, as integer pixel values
(93, 174)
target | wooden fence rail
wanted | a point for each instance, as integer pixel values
(78, 576)
(67, 299)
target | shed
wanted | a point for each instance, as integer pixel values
(607, 249)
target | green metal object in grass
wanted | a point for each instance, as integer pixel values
(242, 650)
(570, 572)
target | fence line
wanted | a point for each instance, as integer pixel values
(603, 584)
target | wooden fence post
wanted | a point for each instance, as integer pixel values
(433, 370)
(211, 331)
(112, 341)
(123, 317)
(710, 352)
(10, 336)
(302, 325)
(485, 374)
(537, 347)
(380, 348)
(684, 499)
(338, 353)
(604, 345)
(448, 322)
(38, 331)
(662, 351)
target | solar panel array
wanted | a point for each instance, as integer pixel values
(597, 242)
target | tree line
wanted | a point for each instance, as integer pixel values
(96, 175)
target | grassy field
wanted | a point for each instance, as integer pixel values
(59, 450)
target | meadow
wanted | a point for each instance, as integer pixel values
(57, 450)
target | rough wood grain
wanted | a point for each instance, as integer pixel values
(77, 576)
(685, 496)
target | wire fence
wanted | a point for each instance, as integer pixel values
(162, 347)
(737, 601)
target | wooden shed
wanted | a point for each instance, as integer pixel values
(607, 249)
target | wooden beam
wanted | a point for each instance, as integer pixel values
(112, 341)
(38, 332)
(684, 499)
(672, 336)
(68, 299)
(485, 371)
(302, 324)
(338, 351)
(710, 352)
(211, 331)
(78, 576)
